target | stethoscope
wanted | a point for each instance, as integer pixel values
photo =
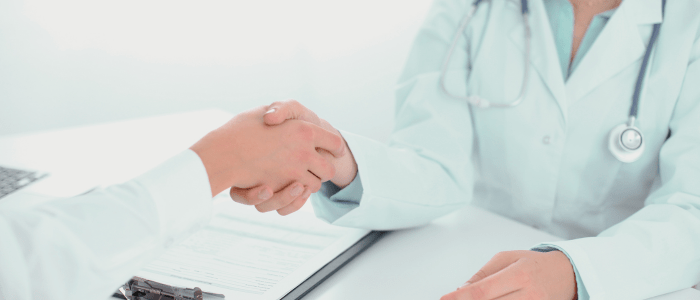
(625, 142)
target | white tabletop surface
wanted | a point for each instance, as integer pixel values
(419, 263)
(430, 261)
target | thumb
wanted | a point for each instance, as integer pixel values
(280, 111)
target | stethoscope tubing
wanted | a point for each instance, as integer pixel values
(634, 108)
(625, 147)
(476, 100)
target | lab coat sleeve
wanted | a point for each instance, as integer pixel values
(334, 202)
(656, 250)
(425, 171)
(87, 246)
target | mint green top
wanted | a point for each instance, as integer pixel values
(561, 19)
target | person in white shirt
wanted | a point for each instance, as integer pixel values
(86, 246)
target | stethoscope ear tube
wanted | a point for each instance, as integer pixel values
(476, 100)
(626, 142)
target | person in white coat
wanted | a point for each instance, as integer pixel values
(633, 228)
(85, 247)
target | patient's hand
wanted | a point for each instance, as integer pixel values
(294, 196)
(246, 153)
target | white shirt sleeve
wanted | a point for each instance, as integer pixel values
(86, 246)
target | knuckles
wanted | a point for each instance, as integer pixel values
(293, 103)
(303, 156)
(304, 131)
(501, 256)
(522, 277)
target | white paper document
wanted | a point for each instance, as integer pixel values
(245, 254)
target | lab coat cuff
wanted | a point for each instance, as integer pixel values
(180, 190)
(332, 202)
(362, 149)
(581, 265)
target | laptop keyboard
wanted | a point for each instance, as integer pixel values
(14, 179)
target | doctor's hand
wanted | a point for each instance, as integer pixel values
(246, 153)
(286, 201)
(521, 275)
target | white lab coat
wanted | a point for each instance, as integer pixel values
(546, 162)
(85, 247)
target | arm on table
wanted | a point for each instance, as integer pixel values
(90, 244)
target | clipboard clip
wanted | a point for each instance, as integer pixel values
(143, 289)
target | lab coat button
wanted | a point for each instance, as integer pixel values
(546, 139)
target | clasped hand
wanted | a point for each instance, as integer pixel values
(245, 153)
(273, 156)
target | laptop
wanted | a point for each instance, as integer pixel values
(22, 186)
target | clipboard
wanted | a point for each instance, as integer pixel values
(249, 224)
(334, 265)
(143, 289)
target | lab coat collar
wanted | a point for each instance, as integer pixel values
(618, 46)
(543, 54)
(644, 11)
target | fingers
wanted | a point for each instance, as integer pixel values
(503, 282)
(296, 204)
(322, 167)
(501, 276)
(329, 141)
(251, 196)
(495, 286)
(290, 193)
(281, 198)
(498, 262)
(280, 111)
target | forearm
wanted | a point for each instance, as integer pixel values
(90, 244)
(402, 188)
(655, 251)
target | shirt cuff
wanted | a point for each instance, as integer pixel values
(180, 190)
(582, 293)
(332, 202)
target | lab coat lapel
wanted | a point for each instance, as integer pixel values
(543, 55)
(618, 46)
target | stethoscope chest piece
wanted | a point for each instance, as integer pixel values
(626, 143)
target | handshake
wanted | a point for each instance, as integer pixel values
(275, 156)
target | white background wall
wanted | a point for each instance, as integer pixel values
(75, 62)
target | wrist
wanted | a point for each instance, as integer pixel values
(219, 175)
(564, 260)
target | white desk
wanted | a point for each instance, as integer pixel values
(430, 261)
(420, 263)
